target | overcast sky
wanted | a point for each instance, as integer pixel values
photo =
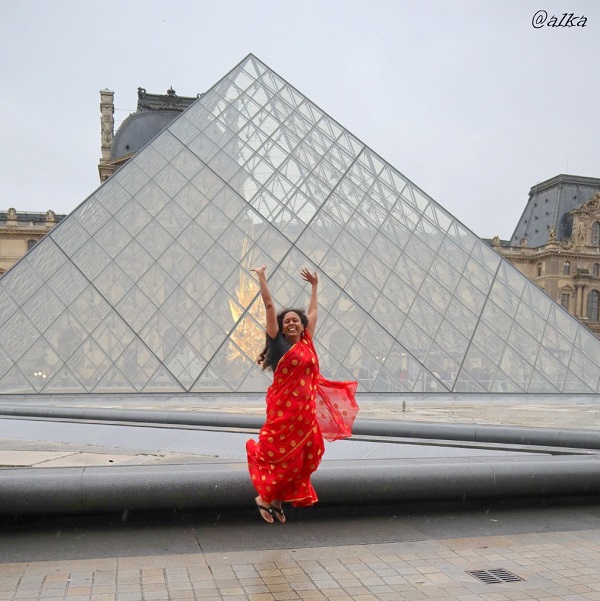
(466, 98)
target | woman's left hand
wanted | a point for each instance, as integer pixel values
(311, 278)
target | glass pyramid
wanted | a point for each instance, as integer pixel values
(145, 287)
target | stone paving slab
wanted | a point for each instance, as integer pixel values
(34, 453)
(553, 566)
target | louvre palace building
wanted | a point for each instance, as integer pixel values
(145, 288)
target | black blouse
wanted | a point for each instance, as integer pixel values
(277, 348)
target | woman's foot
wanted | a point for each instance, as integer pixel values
(277, 511)
(265, 510)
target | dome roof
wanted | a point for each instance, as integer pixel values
(154, 113)
(138, 129)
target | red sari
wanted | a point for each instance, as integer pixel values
(302, 409)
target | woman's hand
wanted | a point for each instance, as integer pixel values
(311, 278)
(259, 270)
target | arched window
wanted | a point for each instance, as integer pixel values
(31, 244)
(596, 234)
(539, 269)
(566, 268)
(592, 305)
(596, 269)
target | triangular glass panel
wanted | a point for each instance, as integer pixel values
(114, 381)
(162, 381)
(64, 381)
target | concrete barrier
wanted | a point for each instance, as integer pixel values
(209, 486)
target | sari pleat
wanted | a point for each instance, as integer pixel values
(290, 444)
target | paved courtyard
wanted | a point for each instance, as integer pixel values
(407, 553)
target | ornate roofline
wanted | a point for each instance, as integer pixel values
(164, 102)
(564, 179)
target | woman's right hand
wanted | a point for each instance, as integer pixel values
(259, 270)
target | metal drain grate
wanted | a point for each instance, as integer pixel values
(495, 576)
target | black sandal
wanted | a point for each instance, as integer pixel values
(278, 513)
(267, 510)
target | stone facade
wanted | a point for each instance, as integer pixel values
(567, 269)
(21, 231)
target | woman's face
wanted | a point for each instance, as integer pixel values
(292, 326)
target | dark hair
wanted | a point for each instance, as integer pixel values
(266, 358)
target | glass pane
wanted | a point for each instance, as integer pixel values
(45, 258)
(168, 145)
(7, 305)
(452, 341)
(491, 345)
(229, 364)
(191, 200)
(177, 262)
(89, 363)
(114, 381)
(111, 196)
(410, 272)
(205, 336)
(39, 364)
(90, 308)
(14, 382)
(401, 294)
(134, 260)
(133, 217)
(64, 381)
(199, 285)
(160, 335)
(157, 284)
(470, 296)
(419, 252)
(185, 363)
(92, 215)
(91, 259)
(585, 369)
(184, 130)
(375, 340)
(362, 291)
(66, 335)
(137, 364)
(154, 239)
(136, 308)
(69, 235)
(204, 148)
(443, 273)
(518, 370)
(426, 316)
(416, 341)
(443, 369)
(113, 283)
(523, 343)
(434, 294)
(17, 335)
(531, 321)
(67, 283)
(113, 335)
(131, 178)
(113, 238)
(388, 314)
(22, 282)
(152, 198)
(43, 308)
(461, 317)
(180, 309)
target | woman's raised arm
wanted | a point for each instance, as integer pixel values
(272, 327)
(313, 305)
